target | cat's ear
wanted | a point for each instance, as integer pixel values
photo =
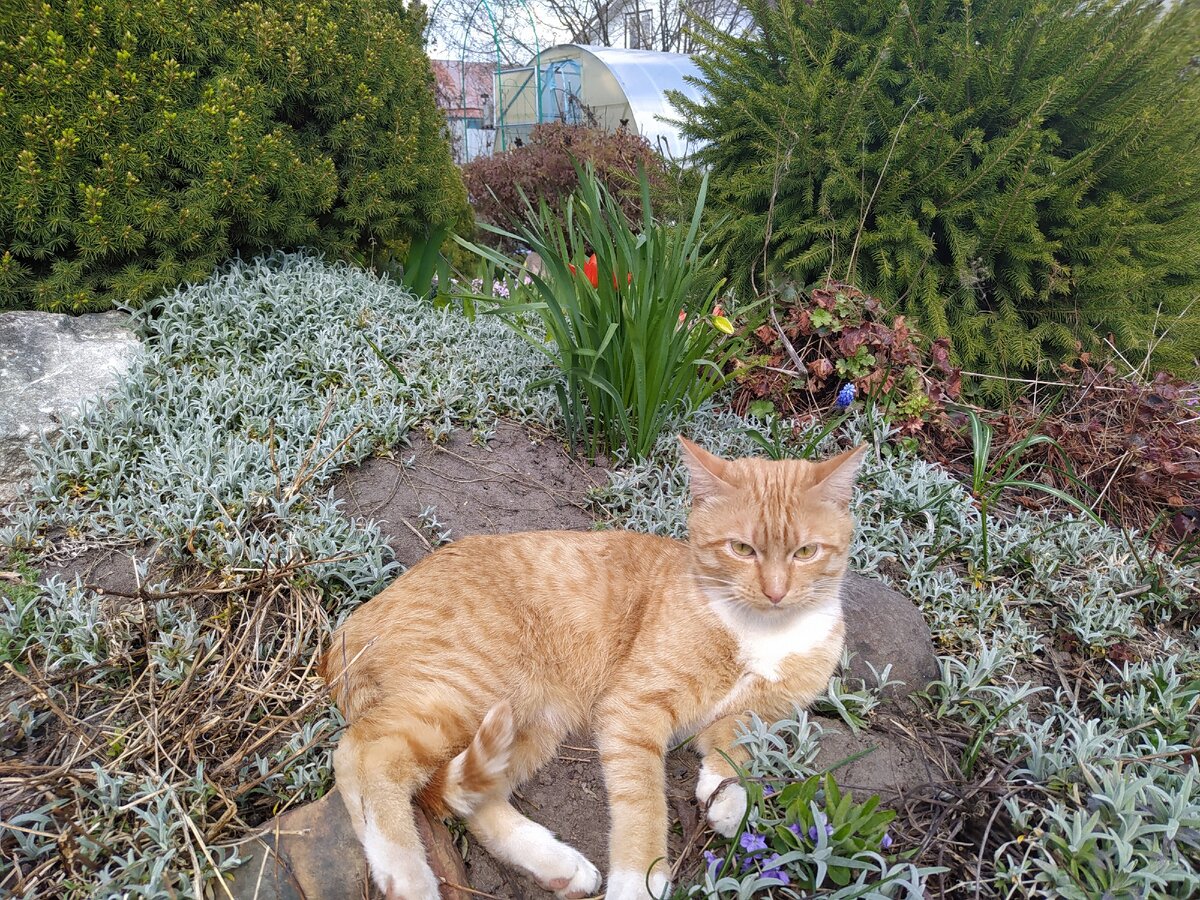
(837, 476)
(708, 472)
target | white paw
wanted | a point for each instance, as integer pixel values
(399, 872)
(726, 812)
(552, 864)
(625, 884)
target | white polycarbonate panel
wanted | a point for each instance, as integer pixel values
(645, 76)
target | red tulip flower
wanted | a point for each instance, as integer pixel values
(591, 271)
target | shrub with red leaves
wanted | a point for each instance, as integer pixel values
(543, 168)
(1136, 443)
(817, 342)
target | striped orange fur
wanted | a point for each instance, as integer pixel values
(460, 680)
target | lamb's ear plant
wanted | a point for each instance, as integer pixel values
(776, 440)
(853, 699)
(626, 316)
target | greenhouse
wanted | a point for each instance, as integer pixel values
(605, 87)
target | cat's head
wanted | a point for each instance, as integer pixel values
(770, 534)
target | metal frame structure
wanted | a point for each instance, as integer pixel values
(500, 106)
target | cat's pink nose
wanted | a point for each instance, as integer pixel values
(775, 597)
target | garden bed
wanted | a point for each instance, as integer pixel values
(140, 745)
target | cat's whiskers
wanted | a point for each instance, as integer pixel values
(719, 590)
(728, 582)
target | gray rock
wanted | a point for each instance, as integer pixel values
(881, 760)
(50, 366)
(885, 628)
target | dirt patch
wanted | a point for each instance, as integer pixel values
(109, 569)
(521, 481)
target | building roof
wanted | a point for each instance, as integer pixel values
(450, 86)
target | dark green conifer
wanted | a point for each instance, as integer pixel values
(1021, 175)
(142, 142)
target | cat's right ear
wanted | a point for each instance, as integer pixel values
(708, 471)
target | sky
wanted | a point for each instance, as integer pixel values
(445, 34)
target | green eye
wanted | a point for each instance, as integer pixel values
(740, 548)
(808, 551)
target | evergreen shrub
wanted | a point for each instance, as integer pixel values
(144, 141)
(1022, 176)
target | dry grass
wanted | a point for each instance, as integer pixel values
(253, 687)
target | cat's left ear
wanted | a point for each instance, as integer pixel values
(836, 484)
(708, 471)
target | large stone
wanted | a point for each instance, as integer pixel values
(882, 759)
(51, 365)
(885, 628)
(312, 853)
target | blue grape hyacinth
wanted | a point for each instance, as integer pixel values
(846, 395)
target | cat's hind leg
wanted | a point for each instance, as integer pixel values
(533, 849)
(520, 842)
(377, 775)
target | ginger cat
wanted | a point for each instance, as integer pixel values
(461, 679)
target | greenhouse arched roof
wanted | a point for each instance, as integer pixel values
(645, 76)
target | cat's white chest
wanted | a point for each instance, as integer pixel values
(765, 640)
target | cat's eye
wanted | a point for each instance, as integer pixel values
(808, 551)
(741, 548)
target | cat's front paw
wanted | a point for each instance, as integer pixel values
(403, 875)
(728, 808)
(626, 884)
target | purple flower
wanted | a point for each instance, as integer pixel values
(714, 863)
(500, 289)
(886, 843)
(769, 870)
(752, 843)
(476, 285)
(795, 829)
(846, 395)
(821, 820)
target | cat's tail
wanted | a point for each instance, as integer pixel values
(481, 770)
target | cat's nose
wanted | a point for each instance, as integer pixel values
(775, 595)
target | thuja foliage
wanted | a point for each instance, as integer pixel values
(1017, 175)
(143, 142)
